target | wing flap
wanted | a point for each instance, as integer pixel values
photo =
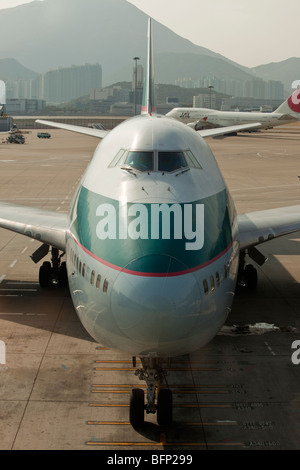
(45, 226)
(99, 133)
(259, 227)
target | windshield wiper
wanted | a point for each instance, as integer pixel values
(184, 170)
(129, 169)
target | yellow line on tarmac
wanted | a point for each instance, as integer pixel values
(120, 385)
(95, 405)
(164, 443)
(106, 405)
(111, 423)
(110, 361)
(116, 361)
(171, 386)
(110, 391)
(127, 423)
(111, 369)
(183, 392)
(188, 369)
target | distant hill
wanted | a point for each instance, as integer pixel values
(46, 35)
(52, 33)
(285, 71)
(11, 69)
(170, 66)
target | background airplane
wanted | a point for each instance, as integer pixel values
(152, 246)
(202, 118)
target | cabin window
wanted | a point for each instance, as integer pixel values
(217, 279)
(98, 282)
(225, 271)
(212, 283)
(205, 286)
(92, 277)
(228, 267)
(171, 161)
(105, 285)
(83, 270)
(142, 161)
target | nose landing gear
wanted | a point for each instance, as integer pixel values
(153, 374)
(54, 272)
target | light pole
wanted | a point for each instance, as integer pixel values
(135, 84)
(210, 88)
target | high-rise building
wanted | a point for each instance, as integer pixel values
(66, 84)
(275, 90)
(58, 86)
(205, 100)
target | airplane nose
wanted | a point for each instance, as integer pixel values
(155, 312)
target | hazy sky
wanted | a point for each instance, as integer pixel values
(250, 32)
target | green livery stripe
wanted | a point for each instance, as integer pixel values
(117, 248)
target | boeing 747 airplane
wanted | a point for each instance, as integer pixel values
(153, 245)
(202, 118)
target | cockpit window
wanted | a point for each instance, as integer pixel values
(191, 159)
(118, 160)
(171, 161)
(142, 161)
(145, 161)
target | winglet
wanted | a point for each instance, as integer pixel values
(148, 105)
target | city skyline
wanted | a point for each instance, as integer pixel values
(67, 83)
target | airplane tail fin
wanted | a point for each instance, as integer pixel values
(148, 105)
(291, 106)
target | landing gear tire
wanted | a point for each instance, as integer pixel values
(164, 407)
(45, 274)
(250, 277)
(62, 275)
(136, 407)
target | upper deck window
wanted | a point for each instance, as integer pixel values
(142, 161)
(171, 161)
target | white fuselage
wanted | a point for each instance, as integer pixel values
(138, 287)
(214, 118)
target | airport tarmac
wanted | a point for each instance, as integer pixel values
(61, 390)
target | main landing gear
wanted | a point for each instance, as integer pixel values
(157, 399)
(247, 273)
(54, 272)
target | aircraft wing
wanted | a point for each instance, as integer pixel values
(261, 226)
(228, 130)
(99, 133)
(45, 226)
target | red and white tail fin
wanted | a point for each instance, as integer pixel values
(291, 106)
